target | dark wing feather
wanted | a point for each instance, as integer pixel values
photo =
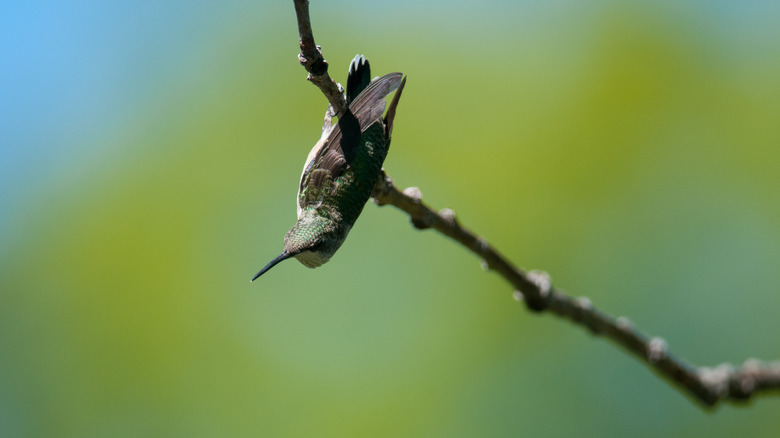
(390, 117)
(365, 107)
(344, 139)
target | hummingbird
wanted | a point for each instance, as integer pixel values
(342, 168)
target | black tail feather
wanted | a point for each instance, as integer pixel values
(358, 78)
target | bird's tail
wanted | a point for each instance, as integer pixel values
(358, 78)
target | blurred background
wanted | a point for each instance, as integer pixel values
(150, 160)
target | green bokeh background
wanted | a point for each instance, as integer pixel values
(151, 160)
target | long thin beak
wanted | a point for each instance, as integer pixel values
(283, 256)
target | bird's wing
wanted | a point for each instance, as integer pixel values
(336, 150)
(390, 117)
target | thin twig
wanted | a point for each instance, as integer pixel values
(312, 60)
(707, 385)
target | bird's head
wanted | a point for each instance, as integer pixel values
(312, 240)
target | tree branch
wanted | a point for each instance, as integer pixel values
(706, 385)
(312, 60)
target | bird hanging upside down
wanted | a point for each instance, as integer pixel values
(342, 168)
